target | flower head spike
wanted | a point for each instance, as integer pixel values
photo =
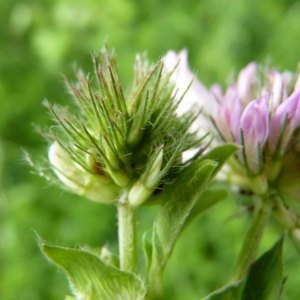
(120, 141)
(259, 112)
(261, 115)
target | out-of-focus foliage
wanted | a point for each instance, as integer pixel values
(42, 39)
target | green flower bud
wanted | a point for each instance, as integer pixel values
(144, 187)
(92, 186)
(119, 177)
(152, 175)
(139, 193)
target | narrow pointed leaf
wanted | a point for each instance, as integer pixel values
(209, 198)
(90, 278)
(178, 203)
(180, 199)
(265, 278)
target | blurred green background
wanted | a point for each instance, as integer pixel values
(40, 40)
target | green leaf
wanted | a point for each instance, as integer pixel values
(213, 194)
(90, 278)
(220, 154)
(209, 198)
(229, 292)
(265, 279)
(180, 204)
(147, 247)
(180, 199)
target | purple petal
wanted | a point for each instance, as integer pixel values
(287, 114)
(255, 129)
(197, 94)
(228, 116)
(277, 86)
(245, 82)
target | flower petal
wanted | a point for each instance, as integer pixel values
(255, 131)
(287, 114)
(197, 96)
(246, 81)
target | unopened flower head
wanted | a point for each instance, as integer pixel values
(120, 141)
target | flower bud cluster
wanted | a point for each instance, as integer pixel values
(120, 141)
(260, 112)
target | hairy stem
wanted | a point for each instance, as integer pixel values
(252, 240)
(127, 237)
(155, 285)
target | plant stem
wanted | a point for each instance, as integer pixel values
(127, 237)
(155, 284)
(252, 240)
(288, 218)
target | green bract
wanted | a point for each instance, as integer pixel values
(90, 278)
